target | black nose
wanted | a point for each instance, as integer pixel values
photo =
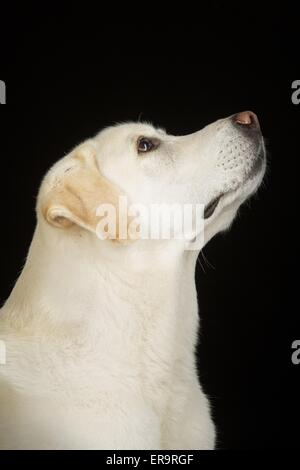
(247, 120)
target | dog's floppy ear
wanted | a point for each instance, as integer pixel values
(74, 195)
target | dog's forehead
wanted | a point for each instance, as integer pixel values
(129, 130)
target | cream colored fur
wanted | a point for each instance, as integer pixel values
(101, 334)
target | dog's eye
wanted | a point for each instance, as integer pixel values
(144, 144)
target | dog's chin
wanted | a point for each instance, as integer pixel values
(221, 211)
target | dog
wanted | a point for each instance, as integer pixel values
(100, 329)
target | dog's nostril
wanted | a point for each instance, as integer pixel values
(246, 119)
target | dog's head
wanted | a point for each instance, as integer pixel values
(218, 167)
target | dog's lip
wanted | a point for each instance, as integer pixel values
(256, 169)
(211, 206)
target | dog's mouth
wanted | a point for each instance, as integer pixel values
(256, 169)
(211, 207)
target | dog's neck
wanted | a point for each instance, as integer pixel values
(84, 283)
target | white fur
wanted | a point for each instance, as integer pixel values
(101, 336)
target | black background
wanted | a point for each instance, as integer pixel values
(70, 72)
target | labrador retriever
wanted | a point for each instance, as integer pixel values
(100, 329)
